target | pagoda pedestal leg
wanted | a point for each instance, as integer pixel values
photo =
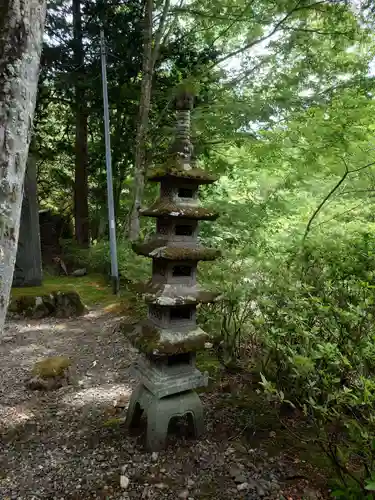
(160, 411)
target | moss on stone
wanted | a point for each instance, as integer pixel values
(59, 304)
(154, 341)
(51, 367)
(22, 304)
(163, 207)
(172, 169)
(161, 249)
(114, 422)
(177, 295)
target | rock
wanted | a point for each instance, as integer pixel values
(208, 345)
(124, 482)
(161, 486)
(190, 483)
(311, 494)
(154, 456)
(58, 304)
(49, 374)
(184, 494)
(237, 474)
(241, 478)
(243, 486)
(68, 304)
(260, 490)
(79, 272)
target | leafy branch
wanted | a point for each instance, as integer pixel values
(331, 193)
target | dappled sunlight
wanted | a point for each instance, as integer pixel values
(11, 416)
(101, 395)
(34, 328)
(33, 352)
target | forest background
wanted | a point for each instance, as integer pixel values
(284, 115)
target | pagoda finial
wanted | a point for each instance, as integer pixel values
(182, 147)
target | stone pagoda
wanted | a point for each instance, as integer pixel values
(169, 338)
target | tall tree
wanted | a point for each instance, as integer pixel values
(150, 55)
(81, 205)
(21, 32)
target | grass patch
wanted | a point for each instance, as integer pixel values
(93, 289)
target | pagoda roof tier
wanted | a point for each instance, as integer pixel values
(163, 249)
(173, 170)
(178, 295)
(153, 340)
(166, 208)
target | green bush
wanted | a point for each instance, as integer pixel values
(309, 319)
(318, 352)
(97, 259)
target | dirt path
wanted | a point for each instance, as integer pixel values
(57, 445)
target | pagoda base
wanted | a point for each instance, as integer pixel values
(159, 412)
(164, 380)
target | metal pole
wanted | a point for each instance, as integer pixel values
(111, 209)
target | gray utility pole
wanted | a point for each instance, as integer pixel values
(111, 209)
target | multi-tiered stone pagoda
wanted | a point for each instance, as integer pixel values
(170, 337)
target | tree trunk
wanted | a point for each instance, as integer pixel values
(150, 56)
(81, 205)
(144, 107)
(21, 33)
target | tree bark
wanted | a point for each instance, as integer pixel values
(21, 33)
(81, 205)
(150, 56)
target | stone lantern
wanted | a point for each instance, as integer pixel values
(169, 338)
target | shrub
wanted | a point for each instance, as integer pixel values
(309, 320)
(317, 332)
(97, 259)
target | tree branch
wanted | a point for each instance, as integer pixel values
(159, 34)
(261, 39)
(332, 191)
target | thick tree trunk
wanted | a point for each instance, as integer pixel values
(81, 205)
(21, 33)
(150, 55)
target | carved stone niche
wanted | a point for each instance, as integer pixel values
(174, 272)
(178, 231)
(174, 317)
(185, 193)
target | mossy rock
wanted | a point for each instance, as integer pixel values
(161, 249)
(155, 341)
(164, 207)
(68, 304)
(58, 304)
(172, 169)
(49, 374)
(55, 366)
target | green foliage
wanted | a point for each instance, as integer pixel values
(288, 125)
(97, 259)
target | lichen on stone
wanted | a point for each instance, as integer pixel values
(178, 295)
(164, 207)
(172, 169)
(58, 304)
(161, 249)
(152, 340)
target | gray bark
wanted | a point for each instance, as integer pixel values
(21, 33)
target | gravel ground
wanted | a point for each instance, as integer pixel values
(57, 445)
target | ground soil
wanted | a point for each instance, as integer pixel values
(72, 443)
